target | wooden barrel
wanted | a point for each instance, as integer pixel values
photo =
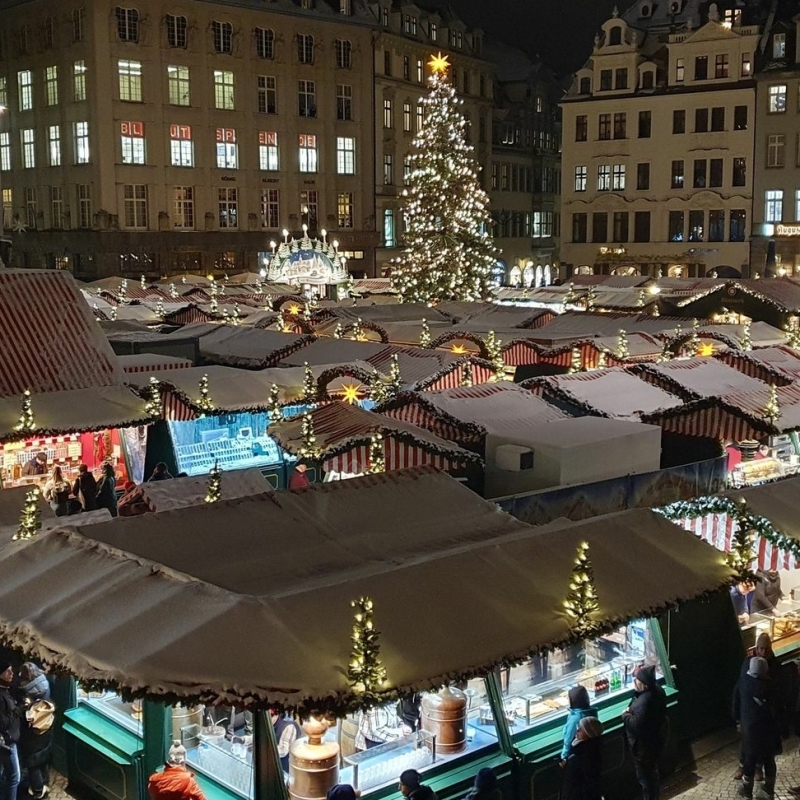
(445, 716)
(313, 769)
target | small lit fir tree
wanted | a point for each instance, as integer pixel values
(747, 341)
(160, 308)
(395, 378)
(214, 492)
(365, 671)
(693, 345)
(30, 522)
(581, 601)
(274, 404)
(466, 373)
(772, 408)
(792, 333)
(152, 406)
(173, 291)
(142, 282)
(377, 388)
(123, 290)
(591, 297)
(357, 332)
(338, 331)
(26, 423)
(377, 460)
(495, 353)
(449, 253)
(622, 352)
(602, 360)
(425, 334)
(575, 362)
(741, 555)
(309, 385)
(569, 297)
(204, 403)
(113, 313)
(308, 446)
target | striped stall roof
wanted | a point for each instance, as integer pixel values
(452, 376)
(697, 377)
(150, 362)
(51, 341)
(765, 363)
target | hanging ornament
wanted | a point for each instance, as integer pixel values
(30, 522)
(365, 672)
(214, 492)
(581, 601)
(26, 422)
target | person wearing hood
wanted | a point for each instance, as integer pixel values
(176, 781)
(754, 714)
(579, 707)
(36, 743)
(485, 786)
(107, 489)
(10, 717)
(411, 787)
(584, 765)
(33, 682)
(767, 593)
(645, 721)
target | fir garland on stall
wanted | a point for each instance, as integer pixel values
(365, 671)
(274, 404)
(204, 402)
(214, 484)
(425, 334)
(30, 522)
(741, 555)
(772, 409)
(26, 422)
(152, 406)
(581, 601)
(309, 385)
(377, 460)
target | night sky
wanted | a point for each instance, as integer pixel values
(561, 31)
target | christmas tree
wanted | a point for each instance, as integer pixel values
(772, 409)
(214, 484)
(495, 353)
(309, 385)
(377, 461)
(448, 252)
(26, 423)
(274, 402)
(622, 351)
(308, 448)
(365, 672)
(395, 378)
(746, 341)
(377, 389)
(575, 362)
(205, 396)
(425, 334)
(466, 374)
(29, 521)
(152, 406)
(581, 601)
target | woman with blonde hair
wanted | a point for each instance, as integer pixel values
(56, 492)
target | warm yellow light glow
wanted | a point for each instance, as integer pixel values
(705, 349)
(459, 349)
(350, 392)
(439, 64)
(294, 309)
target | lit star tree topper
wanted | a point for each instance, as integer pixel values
(365, 671)
(214, 492)
(448, 253)
(26, 422)
(30, 522)
(581, 601)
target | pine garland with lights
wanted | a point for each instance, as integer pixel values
(746, 341)
(448, 253)
(365, 671)
(494, 353)
(152, 406)
(26, 422)
(377, 460)
(466, 374)
(772, 409)
(274, 404)
(309, 385)
(622, 351)
(575, 362)
(214, 492)
(581, 601)
(395, 378)
(425, 335)
(30, 521)
(308, 447)
(204, 402)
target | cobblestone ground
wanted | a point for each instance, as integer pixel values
(711, 777)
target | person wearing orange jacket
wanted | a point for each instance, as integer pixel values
(176, 781)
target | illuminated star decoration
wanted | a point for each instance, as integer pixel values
(350, 392)
(439, 64)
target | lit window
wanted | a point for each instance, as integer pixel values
(176, 30)
(183, 206)
(267, 95)
(224, 97)
(265, 43)
(181, 146)
(132, 142)
(580, 179)
(127, 24)
(433, 32)
(8, 208)
(345, 155)
(406, 116)
(308, 152)
(603, 178)
(777, 98)
(227, 153)
(680, 70)
(344, 209)
(309, 208)
(388, 227)
(776, 149)
(270, 208)
(388, 113)
(5, 151)
(81, 132)
(178, 85)
(344, 53)
(79, 80)
(28, 140)
(54, 145)
(388, 169)
(223, 36)
(747, 65)
(25, 84)
(420, 71)
(228, 207)
(135, 205)
(51, 85)
(130, 81)
(773, 205)
(3, 91)
(779, 45)
(420, 117)
(268, 151)
(618, 178)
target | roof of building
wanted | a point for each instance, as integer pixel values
(699, 377)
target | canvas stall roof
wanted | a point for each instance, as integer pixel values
(502, 409)
(624, 281)
(150, 362)
(398, 312)
(782, 359)
(373, 286)
(339, 426)
(283, 577)
(112, 328)
(779, 502)
(627, 299)
(192, 490)
(76, 411)
(51, 341)
(332, 351)
(762, 334)
(639, 344)
(579, 324)
(613, 392)
(416, 365)
(752, 404)
(504, 317)
(701, 377)
(139, 313)
(236, 346)
(260, 318)
(782, 293)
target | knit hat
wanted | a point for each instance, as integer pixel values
(578, 697)
(177, 754)
(4, 665)
(759, 668)
(646, 676)
(591, 727)
(342, 791)
(410, 778)
(486, 779)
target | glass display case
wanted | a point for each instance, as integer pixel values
(536, 692)
(380, 765)
(751, 473)
(782, 625)
(236, 441)
(114, 708)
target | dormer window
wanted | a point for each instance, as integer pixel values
(731, 17)
(456, 38)
(433, 32)
(675, 7)
(779, 45)
(645, 10)
(615, 35)
(585, 86)
(410, 24)
(384, 16)
(648, 79)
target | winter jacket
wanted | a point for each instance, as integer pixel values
(107, 494)
(768, 592)
(571, 727)
(423, 793)
(85, 489)
(35, 748)
(646, 716)
(37, 689)
(483, 794)
(10, 715)
(753, 709)
(57, 495)
(582, 771)
(174, 783)
(299, 480)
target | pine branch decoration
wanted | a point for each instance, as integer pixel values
(741, 555)
(365, 671)
(214, 484)
(26, 422)
(204, 402)
(30, 522)
(581, 601)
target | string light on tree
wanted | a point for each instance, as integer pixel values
(425, 334)
(466, 373)
(214, 492)
(308, 447)
(569, 297)
(747, 341)
(142, 282)
(581, 601)
(30, 522)
(395, 378)
(772, 408)
(693, 345)
(365, 672)
(274, 404)
(377, 388)
(204, 402)
(338, 331)
(123, 290)
(622, 352)
(495, 353)
(448, 253)
(309, 385)
(173, 291)
(377, 460)
(792, 332)
(26, 423)
(575, 361)
(113, 313)
(160, 308)
(152, 406)
(591, 298)
(357, 331)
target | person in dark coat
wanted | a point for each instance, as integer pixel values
(767, 593)
(584, 765)
(36, 466)
(10, 715)
(485, 786)
(160, 473)
(107, 489)
(411, 787)
(36, 744)
(85, 488)
(579, 707)
(33, 682)
(753, 712)
(645, 723)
